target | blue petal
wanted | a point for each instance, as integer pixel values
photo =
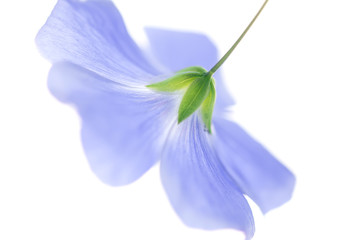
(197, 184)
(263, 178)
(92, 34)
(123, 131)
(177, 50)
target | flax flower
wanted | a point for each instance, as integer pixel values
(127, 127)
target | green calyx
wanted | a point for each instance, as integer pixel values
(200, 92)
(194, 97)
(180, 80)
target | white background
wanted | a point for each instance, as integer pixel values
(295, 78)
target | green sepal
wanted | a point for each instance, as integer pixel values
(180, 80)
(207, 106)
(193, 69)
(194, 97)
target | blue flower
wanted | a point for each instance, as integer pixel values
(127, 127)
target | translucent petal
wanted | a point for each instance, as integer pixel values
(122, 131)
(197, 184)
(177, 50)
(263, 178)
(92, 34)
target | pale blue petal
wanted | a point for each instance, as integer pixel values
(177, 50)
(263, 178)
(123, 131)
(92, 34)
(197, 184)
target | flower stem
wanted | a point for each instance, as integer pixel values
(223, 59)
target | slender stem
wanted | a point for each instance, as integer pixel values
(223, 59)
